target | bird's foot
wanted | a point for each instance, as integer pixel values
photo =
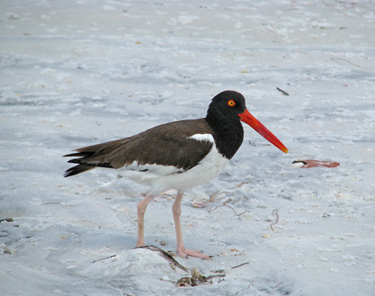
(182, 252)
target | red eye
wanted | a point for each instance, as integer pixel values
(231, 103)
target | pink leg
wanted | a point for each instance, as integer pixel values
(141, 209)
(181, 250)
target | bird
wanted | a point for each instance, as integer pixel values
(177, 155)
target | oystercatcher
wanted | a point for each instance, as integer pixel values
(176, 155)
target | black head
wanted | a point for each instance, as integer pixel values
(226, 106)
(223, 117)
(224, 114)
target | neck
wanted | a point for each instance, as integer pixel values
(228, 135)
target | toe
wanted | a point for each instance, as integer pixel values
(192, 253)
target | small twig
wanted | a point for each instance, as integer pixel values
(341, 59)
(240, 265)
(214, 195)
(109, 257)
(238, 215)
(211, 276)
(277, 285)
(227, 201)
(282, 91)
(275, 212)
(225, 204)
(166, 255)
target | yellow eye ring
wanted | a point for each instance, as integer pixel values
(231, 103)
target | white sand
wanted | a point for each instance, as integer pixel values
(76, 73)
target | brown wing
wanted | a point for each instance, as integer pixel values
(166, 144)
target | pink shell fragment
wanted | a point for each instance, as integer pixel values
(311, 163)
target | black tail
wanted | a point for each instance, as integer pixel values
(84, 163)
(80, 168)
(77, 170)
(88, 158)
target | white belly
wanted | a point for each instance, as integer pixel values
(204, 172)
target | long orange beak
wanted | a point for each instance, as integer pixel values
(262, 130)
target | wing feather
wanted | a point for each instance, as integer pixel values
(165, 145)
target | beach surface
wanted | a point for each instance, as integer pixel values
(76, 73)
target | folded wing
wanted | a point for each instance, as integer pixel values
(165, 149)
